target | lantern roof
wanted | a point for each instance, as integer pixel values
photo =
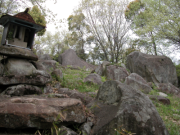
(22, 18)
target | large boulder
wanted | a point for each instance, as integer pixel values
(113, 72)
(70, 58)
(85, 98)
(168, 88)
(93, 78)
(47, 65)
(20, 90)
(101, 68)
(45, 57)
(38, 112)
(161, 99)
(121, 105)
(36, 78)
(137, 82)
(157, 69)
(18, 53)
(18, 67)
(57, 73)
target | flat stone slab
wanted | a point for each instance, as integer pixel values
(18, 53)
(39, 112)
(36, 78)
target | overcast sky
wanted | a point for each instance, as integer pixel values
(63, 8)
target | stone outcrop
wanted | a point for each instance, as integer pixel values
(18, 53)
(85, 99)
(161, 99)
(18, 67)
(36, 78)
(57, 73)
(113, 72)
(69, 58)
(127, 107)
(1, 69)
(168, 88)
(93, 78)
(44, 57)
(39, 112)
(46, 65)
(101, 68)
(20, 90)
(157, 69)
(137, 82)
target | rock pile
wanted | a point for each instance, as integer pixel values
(120, 102)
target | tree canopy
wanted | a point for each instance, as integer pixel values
(156, 22)
(106, 22)
(36, 14)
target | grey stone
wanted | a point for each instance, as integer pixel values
(66, 131)
(49, 65)
(134, 111)
(114, 72)
(45, 57)
(156, 69)
(70, 58)
(137, 82)
(108, 92)
(86, 128)
(36, 78)
(57, 73)
(93, 78)
(168, 88)
(162, 94)
(1, 69)
(18, 53)
(101, 68)
(85, 98)
(20, 90)
(48, 89)
(161, 99)
(18, 67)
(39, 112)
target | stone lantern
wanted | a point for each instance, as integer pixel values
(19, 30)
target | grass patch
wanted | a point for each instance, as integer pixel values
(73, 79)
(169, 113)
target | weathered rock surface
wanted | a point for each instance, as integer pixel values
(20, 90)
(161, 99)
(66, 131)
(134, 111)
(18, 53)
(157, 69)
(101, 68)
(86, 128)
(69, 57)
(93, 78)
(36, 78)
(57, 73)
(137, 82)
(47, 65)
(38, 112)
(114, 72)
(1, 69)
(168, 88)
(162, 94)
(75, 94)
(45, 57)
(48, 89)
(18, 67)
